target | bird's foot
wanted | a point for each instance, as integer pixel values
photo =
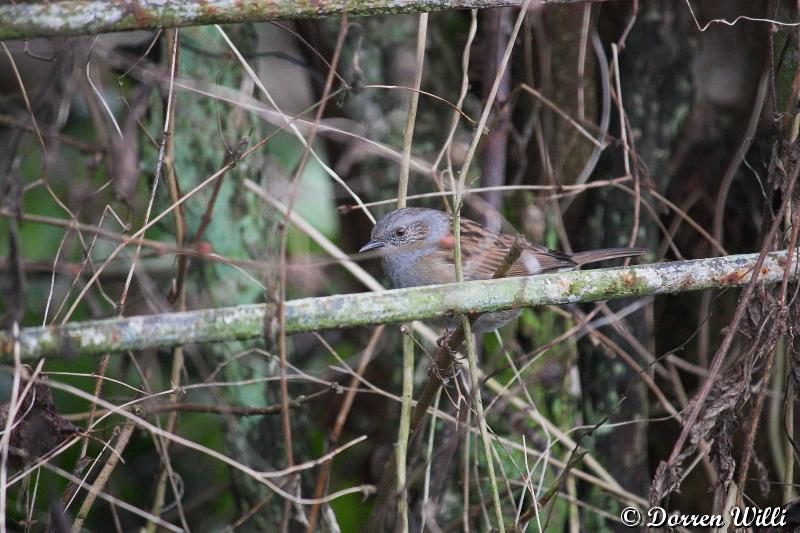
(443, 342)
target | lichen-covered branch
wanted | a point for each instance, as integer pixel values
(402, 305)
(19, 20)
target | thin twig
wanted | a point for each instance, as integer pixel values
(14, 403)
(102, 478)
(264, 477)
(458, 200)
(341, 417)
(293, 127)
(404, 424)
(601, 144)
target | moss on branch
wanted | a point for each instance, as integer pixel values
(402, 305)
(19, 20)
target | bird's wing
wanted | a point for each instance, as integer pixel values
(485, 252)
(547, 260)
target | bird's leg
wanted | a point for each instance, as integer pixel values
(445, 343)
(445, 374)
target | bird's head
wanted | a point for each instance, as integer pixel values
(408, 228)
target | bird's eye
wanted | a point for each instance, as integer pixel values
(400, 232)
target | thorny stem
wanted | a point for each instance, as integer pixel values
(179, 297)
(719, 356)
(778, 329)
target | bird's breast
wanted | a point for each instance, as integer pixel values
(413, 269)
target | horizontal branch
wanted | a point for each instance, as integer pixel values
(401, 305)
(19, 20)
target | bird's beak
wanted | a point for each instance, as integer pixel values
(371, 245)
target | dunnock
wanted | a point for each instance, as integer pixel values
(418, 246)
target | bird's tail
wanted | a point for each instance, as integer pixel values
(593, 256)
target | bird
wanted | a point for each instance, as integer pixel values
(417, 243)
